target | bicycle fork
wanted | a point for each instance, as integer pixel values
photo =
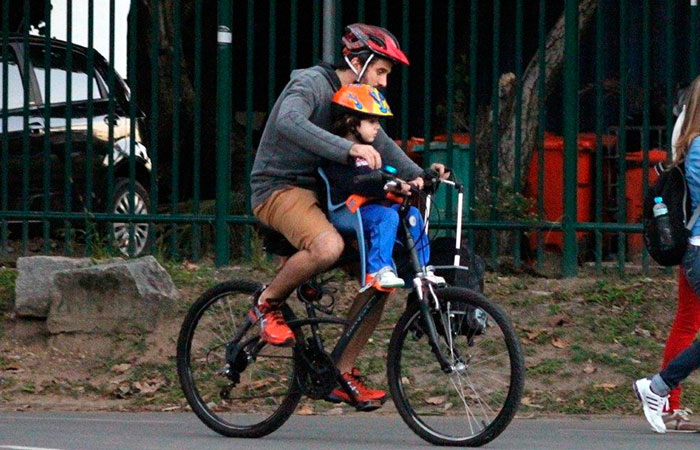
(429, 323)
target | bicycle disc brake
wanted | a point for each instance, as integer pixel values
(316, 370)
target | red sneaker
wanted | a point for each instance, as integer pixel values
(361, 392)
(273, 329)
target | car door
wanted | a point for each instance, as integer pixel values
(20, 111)
(57, 106)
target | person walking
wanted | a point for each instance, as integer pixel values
(660, 394)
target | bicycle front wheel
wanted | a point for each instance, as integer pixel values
(474, 403)
(238, 389)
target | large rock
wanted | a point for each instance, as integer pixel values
(124, 297)
(35, 279)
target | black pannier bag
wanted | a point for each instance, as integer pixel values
(442, 253)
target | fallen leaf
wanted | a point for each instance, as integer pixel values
(527, 401)
(447, 406)
(120, 368)
(642, 332)
(170, 408)
(606, 386)
(589, 369)
(559, 343)
(335, 411)
(257, 384)
(305, 410)
(438, 400)
(190, 266)
(541, 293)
(532, 335)
(405, 381)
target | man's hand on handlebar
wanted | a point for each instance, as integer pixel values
(417, 183)
(368, 153)
(442, 171)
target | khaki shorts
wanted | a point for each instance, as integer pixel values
(296, 213)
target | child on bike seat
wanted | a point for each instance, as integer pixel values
(357, 109)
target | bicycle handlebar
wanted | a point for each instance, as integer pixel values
(430, 177)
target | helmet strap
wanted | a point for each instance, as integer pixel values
(364, 68)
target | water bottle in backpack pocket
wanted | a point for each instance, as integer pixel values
(663, 224)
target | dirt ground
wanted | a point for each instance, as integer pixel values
(585, 340)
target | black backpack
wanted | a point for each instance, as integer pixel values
(672, 187)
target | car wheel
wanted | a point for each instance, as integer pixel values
(120, 205)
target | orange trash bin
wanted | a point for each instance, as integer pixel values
(553, 199)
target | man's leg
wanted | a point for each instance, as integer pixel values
(347, 359)
(324, 250)
(296, 214)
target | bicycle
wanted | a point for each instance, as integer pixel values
(451, 346)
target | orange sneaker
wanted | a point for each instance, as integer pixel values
(363, 394)
(273, 329)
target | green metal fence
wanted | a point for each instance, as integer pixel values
(68, 158)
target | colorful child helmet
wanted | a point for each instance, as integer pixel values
(362, 99)
(359, 37)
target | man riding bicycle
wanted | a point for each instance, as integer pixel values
(284, 184)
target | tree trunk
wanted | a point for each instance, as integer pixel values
(554, 61)
(166, 74)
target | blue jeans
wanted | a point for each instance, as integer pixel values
(381, 225)
(689, 360)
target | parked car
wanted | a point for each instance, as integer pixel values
(35, 80)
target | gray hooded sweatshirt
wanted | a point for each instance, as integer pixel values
(295, 141)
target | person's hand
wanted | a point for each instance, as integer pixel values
(417, 183)
(368, 153)
(441, 170)
(405, 189)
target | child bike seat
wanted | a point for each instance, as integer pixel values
(347, 223)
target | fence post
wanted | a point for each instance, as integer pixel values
(569, 264)
(328, 44)
(223, 128)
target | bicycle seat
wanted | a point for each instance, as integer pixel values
(347, 223)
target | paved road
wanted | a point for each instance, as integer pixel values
(101, 431)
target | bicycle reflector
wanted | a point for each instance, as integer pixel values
(391, 170)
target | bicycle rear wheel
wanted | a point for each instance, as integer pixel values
(475, 402)
(252, 390)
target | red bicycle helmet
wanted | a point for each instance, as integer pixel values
(360, 37)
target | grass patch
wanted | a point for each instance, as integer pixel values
(547, 366)
(7, 288)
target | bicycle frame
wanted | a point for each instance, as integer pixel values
(423, 288)
(419, 283)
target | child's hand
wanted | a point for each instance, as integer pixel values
(405, 189)
(398, 187)
(368, 153)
